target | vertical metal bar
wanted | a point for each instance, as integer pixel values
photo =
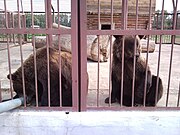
(124, 14)
(171, 56)
(22, 66)
(22, 7)
(147, 55)
(19, 19)
(59, 45)
(9, 65)
(48, 71)
(53, 16)
(34, 53)
(58, 13)
(110, 56)
(134, 60)
(0, 92)
(6, 18)
(159, 55)
(175, 16)
(47, 48)
(9, 58)
(98, 68)
(122, 72)
(124, 27)
(156, 37)
(178, 96)
(137, 11)
(98, 37)
(14, 41)
(173, 4)
(8, 24)
(45, 5)
(24, 26)
(49, 20)
(77, 70)
(134, 70)
(83, 54)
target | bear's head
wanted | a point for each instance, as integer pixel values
(18, 88)
(130, 42)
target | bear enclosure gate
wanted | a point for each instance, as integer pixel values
(94, 26)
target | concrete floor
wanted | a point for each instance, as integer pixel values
(90, 123)
(153, 62)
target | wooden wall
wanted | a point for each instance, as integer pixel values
(105, 10)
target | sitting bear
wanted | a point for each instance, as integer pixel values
(140, 73)
(42, 78)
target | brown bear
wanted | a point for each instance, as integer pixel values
(140, 73)
(42, 78)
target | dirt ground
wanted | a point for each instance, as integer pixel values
(104, 72)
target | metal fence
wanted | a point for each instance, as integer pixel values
(60, 80)
(167, 25)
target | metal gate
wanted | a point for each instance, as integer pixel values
(126, 18)
(95, 27)
(8, 28)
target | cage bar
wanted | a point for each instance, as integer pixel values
(110, 57)
(172, 49)
(78, 62)
(159, 54)
(59, 48)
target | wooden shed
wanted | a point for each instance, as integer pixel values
(105, 13)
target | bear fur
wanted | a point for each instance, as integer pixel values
(42, 78)
(140, 73)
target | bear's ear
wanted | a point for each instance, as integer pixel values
(14, 77)
(118, 36)
(141, 36)
(8, 76)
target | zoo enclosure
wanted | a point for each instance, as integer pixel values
(79, 34)
(65, 19)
